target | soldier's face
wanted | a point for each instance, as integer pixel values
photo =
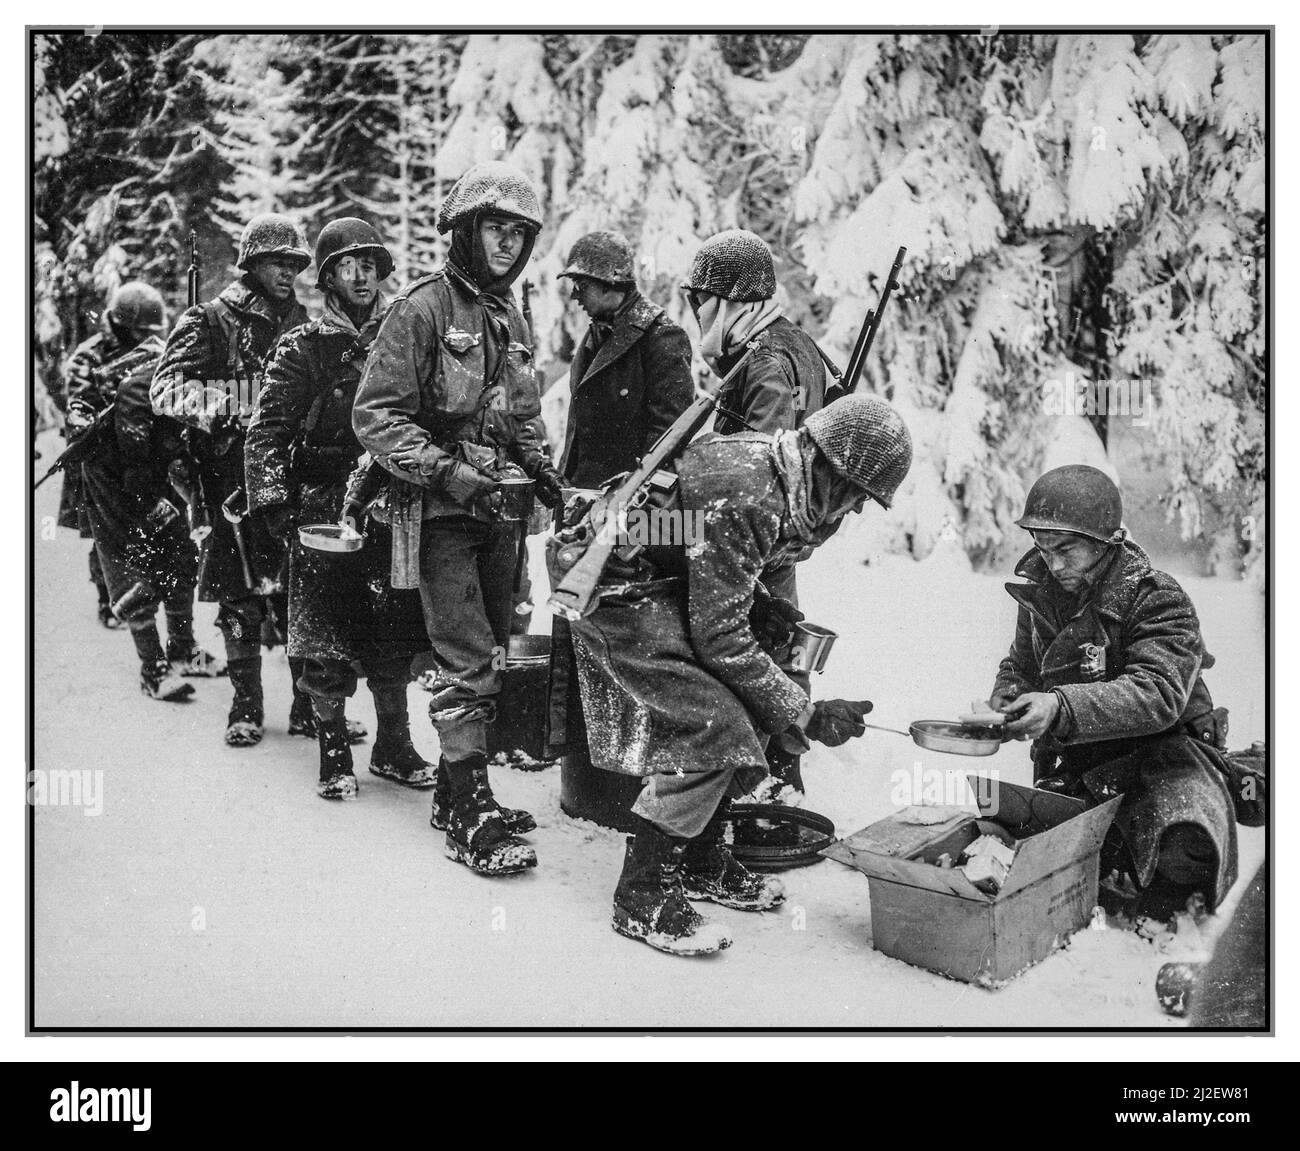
(276, 275)
(1069, 557)
(355, 279)
(597, 299)
(502, 239)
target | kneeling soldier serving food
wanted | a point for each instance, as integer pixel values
(677, 686)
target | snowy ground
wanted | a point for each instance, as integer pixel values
(216, 889)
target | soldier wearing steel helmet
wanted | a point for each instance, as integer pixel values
(631, 374)
(1104, 675)
(731, 289)
(135, 313)
(210, 371)
(448, 405)
(682, 689)
(144, 553)
(343, 611)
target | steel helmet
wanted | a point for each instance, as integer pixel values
(604, 256)
(866, 442)
(1075, 498)
(735, 264)
(496, 187)
(272, 234)
(344, 237)
(138, 306)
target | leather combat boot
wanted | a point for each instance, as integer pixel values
(516, 820)
(394, 756)
(336, 778)
(649, 903)
(476, 834)
(244, 723)
(710, 871)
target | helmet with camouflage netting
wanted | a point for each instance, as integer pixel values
(272, 234)
(495, 187)
(735, 264)
(604, 256)
(866, 442)
(138, 307)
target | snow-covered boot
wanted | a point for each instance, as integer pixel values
(710, 871)
(649, 903)
(394, 756)
(106, 617)
(156, 678)
(157, 681)
(336, 778)
(517, 821)
(476, 834)
(302, 716)
(194, 662)
(244, 723)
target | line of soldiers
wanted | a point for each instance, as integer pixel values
(412, 422)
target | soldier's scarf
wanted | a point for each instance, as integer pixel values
(793, 453)
(336, 314)
(727, 325)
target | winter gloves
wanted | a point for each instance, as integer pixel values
(828, 721)
(549, 485)
(772, 620)
(471, 488)
(836, 721)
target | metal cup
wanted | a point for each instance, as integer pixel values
(516, 497)
(811, 647)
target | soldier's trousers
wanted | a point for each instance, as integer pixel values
(336, 679)
(467, 571)
(240, 622)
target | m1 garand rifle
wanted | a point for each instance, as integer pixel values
(581, 552)
(847, 381)
(185, 474)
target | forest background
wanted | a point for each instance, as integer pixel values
(1077, 210)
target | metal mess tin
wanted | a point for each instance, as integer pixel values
(330, 538)
(811, 647)
(955, 738)
(516, 497)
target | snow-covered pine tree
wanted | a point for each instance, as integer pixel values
(122, 169)
(391, 92)
(253, 83)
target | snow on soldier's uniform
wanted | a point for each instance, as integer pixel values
(448, 404)
(145, 554)
(212, 367)
(298, 457)
(629, 380)
(731, 289)
(1123, 656)
(79, 380)
(677, 685)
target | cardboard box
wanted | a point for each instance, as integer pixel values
(936, 918)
